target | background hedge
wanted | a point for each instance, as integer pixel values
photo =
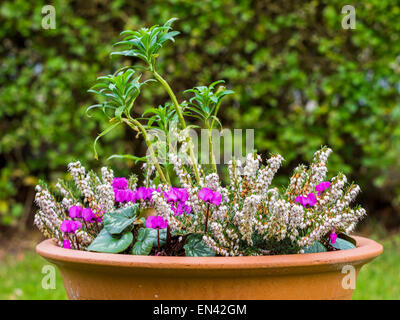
(300, 79)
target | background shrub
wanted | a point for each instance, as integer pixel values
(301, 81)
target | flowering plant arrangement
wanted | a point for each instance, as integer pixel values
(202, 214)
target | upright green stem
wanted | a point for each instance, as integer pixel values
(134, 123)
(210, 150)
(210, 144)
(181, 120)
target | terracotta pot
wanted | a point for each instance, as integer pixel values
(89, 275)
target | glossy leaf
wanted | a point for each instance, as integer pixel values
(196, 247)
(315, 248)
(119, 220)
(347, 238)
(143, 244)
(205, 103)
(147, 239)
(108, 243)
(342, 244)
(146, 42)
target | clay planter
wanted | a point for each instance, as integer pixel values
(89, 275)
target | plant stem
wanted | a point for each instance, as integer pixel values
(158, 239)
(77, 242)
(134, 123)
(168, 240)
(210, 144)
(206, 224)
(181, 120)
(211, 151)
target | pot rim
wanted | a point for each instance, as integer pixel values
(366, 249)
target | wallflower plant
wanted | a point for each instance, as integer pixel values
(201, 216)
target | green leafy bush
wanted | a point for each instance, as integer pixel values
(300, 80)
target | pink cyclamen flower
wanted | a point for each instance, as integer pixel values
(180, 207)
(69, 226)
(308, 201)
(177, 197)
(88, 215)
(210, 196)
(333, 237)
(120, 183)
(122, 195)
(156, 222)
(176, 194)
(75, 212)
(321, 187)
(172, 195)
(66, 244)
(143, 193)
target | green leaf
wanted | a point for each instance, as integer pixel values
(102, 134)
(127, 156)
(108, 243)
(315, 248)
(342, 244)
(117, 221)
(143, 244)
(147, 239)
(347, 238)
(195, 247)
(163, 236)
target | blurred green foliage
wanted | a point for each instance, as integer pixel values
(301, 81)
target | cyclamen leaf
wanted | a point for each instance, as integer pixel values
(143, 244)
(117, 221)
(147, 239)
(347, 238)
(196, 247)
(315, 248)
(163, 236)
(342, 244)
(108, 243)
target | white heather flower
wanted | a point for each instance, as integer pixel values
(251, 167)
(266, 175)
(212, 181)
(107, 175)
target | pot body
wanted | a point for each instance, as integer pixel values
(326, 275)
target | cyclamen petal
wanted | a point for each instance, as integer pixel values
(143, 193)
(120, 183)
(308, 201)
(321, 187)
(333, 237)
(75, 225)
(210, 196)
(156, 222)
(66, 244)
(183, 194)
(88, 215)
(65, 226)
(129, 196)
(205, 194)
(68, 226)
(120, 195)
(75, 212)
(312, 200)
(300, 199)
(216, 199)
